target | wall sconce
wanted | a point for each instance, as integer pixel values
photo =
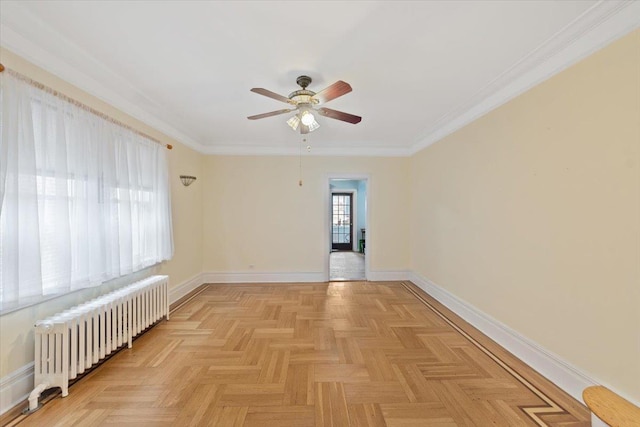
(187, 179)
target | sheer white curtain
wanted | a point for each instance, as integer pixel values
(82, 199)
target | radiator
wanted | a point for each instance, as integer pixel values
(69, 343)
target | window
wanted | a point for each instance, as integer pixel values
(82, 198)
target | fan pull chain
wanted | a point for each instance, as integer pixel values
(304, 140)
(300, 162)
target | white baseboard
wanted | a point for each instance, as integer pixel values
(262, 277)
(289, 277)
(15, 387)
(184, 288)
(388, 275)
(553, 367)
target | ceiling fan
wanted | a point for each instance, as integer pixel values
(305, 101)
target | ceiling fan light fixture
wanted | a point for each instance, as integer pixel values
(313, 125)
(308, 119)
(294, 122)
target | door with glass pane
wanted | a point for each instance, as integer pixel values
(341, 221)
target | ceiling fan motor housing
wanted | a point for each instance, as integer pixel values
(302, 96)
(303, 81)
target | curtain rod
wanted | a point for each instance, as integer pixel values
(79, 104)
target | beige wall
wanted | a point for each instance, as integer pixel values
(257, 214)
(186, 210)
(532, 214)
(16, 328)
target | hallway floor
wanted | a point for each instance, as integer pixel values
(346, 265)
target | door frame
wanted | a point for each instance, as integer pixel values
(326, 197)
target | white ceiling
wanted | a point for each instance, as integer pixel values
(419, 70)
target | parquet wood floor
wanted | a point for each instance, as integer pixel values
(331, 354)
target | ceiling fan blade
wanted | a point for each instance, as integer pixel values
(339, 115)
(269, 94)
(337, 89)
(272, 113)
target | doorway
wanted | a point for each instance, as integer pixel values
(347, 220)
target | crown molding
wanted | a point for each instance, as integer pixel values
(15, 42)
(601, 24)
(597, 27)
(316, 150)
